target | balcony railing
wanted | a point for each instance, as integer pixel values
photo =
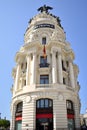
(44, 86)
(43, 65)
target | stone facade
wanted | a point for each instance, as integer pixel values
(54, 80)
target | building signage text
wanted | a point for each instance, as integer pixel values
(44, 25)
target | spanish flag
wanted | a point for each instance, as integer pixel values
(44, 52)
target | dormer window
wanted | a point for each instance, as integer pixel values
(44, 40)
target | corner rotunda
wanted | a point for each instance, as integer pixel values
(45, 92)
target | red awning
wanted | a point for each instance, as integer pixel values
(44, 115)
(18, 118)
(70, 116)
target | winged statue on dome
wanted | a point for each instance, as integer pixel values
(44, 8)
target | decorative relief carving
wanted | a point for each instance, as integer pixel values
(44, 95)
(57, 36)
(28, 99)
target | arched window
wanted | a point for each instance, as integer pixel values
(69, 104)
(44, 103)
(70, 114)
(19, 107)
(43, 40)
(44, 114)
(18, 116)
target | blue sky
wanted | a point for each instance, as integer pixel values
(14, 17)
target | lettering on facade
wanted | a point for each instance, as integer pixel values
(44, 25)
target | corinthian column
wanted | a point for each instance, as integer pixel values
(72, 80)
(17, 76)
(54, 69)
(28, 68)
(60, 75)
(34, 69)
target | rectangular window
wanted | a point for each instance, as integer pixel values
(44, 79)
(43, 60)
(44, 40)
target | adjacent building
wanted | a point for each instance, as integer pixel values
(45, 89)
(83, 119)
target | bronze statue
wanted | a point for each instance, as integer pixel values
(44, 8)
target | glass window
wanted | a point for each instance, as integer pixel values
(44, 79)
(69, 105)
(46, 103)
(43, 60)
(19, 107)
(38, 105)
(71, 124)
(42, 103)
(44, 40)
(18, 125)
(50, 103)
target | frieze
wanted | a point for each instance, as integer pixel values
(44, 25)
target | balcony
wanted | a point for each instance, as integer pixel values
(44, 86)
(43, 65)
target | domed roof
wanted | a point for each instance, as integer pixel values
(45, 21)
(45, 15)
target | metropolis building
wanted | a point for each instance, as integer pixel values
(45, 92)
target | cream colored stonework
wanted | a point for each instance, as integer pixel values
(26, 74)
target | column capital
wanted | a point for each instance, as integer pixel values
(19, 60)
(53, 51)
(28, 55)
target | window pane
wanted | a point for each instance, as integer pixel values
(44, 79)
(42, 103)
(38, 104)
(19, 107)
(69, 105)
(43, 60)
(50, 103)
(44, 40)
(46, 103)
(41, 81)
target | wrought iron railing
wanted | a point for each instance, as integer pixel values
(43, 65)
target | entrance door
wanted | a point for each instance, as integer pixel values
(44, 124)
(70, 124)
(18, 125)
(44, 114)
